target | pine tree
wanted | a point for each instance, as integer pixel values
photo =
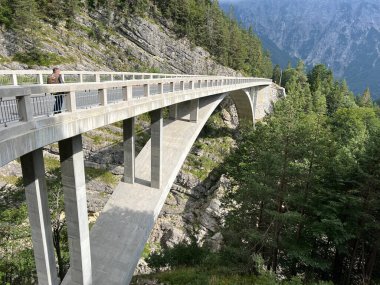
(365, 100)
(277, 73)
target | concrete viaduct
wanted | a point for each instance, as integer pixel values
(108, 254)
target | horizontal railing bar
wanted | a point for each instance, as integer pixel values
(12, 91)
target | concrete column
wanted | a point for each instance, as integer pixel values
(40, 78)
(173, 112)
(253, 94)
(71, 102)
(160, 87)
(129, 150)
(156, 148)
(25, 108)
(33, 172)
(74, 189)
(127, 93)
(102, 93)
(146, 90)
(194, 108)
(14, 79)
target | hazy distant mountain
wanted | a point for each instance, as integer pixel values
(343, 34)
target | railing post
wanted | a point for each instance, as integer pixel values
(40, 78)
(102, 97)
(171, 86)
(127, 92)
(129, 150)
(14, 79)
(156, 148)
(199, 83)
(191, 85)
(74, 189)
(181, 85)
(80, 77)
(33, 172)
(71, 102)
(97, 77)
(160, 88)
(146, 90)
(25, 107)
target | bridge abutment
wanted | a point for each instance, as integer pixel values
(74, 189)
(33, 172)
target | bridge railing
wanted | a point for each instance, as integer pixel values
(28, 77)
(27, 102)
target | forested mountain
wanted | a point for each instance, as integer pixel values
(343, 34)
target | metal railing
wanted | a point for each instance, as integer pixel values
(24, 103)
(28, 77)
(9, 111)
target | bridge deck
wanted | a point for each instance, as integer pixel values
(120, 233)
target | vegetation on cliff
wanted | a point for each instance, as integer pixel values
(201, 21)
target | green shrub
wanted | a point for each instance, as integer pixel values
(180, 255)
(38, 57)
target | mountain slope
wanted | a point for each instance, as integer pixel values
(343, 34)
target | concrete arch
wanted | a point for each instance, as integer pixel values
(244, 103)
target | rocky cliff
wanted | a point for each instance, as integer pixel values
(343, 34)
(133, 44)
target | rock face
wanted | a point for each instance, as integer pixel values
(343, 34)
(125, 45)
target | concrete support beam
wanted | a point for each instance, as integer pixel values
(129, 138)
(127, 93)
(33, 172)
(71, 103)
(102, 97)
(146, 90)
(74, 189)
(194, 108)
(156, 148)
(173, 115)
(160, 87)
(25, 108)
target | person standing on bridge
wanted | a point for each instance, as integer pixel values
(56, 78)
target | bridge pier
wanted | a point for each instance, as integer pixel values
(129, 138)
(156, 148)
(194, 109)
(33, 172)
(173, 112)
(74, 189)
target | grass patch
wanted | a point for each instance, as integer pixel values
(51, 163)
(101, 175)
(11, 179)
(199, 276)
(36, 56)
